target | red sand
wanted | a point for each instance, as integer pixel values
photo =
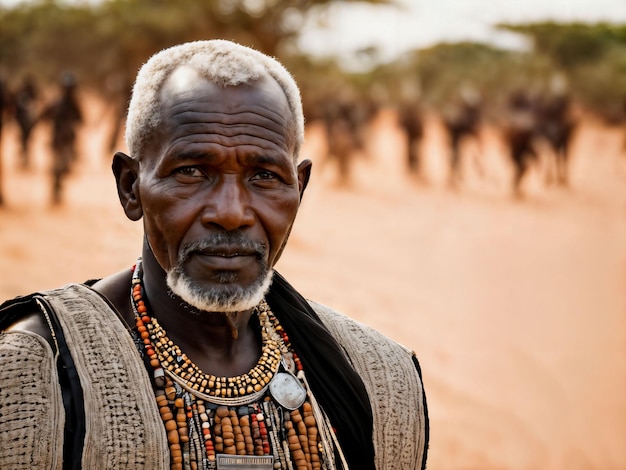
(517, 310)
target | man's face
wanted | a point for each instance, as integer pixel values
(218, 185)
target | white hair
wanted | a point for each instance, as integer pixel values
(223, 63)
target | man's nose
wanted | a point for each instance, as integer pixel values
(228, 206)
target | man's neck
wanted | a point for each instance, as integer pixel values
(220, 344)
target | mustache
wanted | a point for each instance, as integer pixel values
(223, 242)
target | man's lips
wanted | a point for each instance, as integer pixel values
(228, 252)
(226, 258)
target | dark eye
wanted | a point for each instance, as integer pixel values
(188, 171)
(264, 175)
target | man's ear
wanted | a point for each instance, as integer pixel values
(304, 174)
(126, 171)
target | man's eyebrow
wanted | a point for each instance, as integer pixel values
(260, 158)
(192, 155)
(267, 159)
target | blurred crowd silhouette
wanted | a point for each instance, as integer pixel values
(537, 130)
(63, 112)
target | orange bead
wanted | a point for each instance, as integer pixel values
(172, 437)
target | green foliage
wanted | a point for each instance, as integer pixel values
(445, 69)
(589, 59)
(573, 44)
(591, 56)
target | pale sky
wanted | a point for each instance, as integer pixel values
(425, 22)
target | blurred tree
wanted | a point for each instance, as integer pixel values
(440, 74)
(106, 42)
(445, 69)
(591, 57)
(572, 44)
(588, 59)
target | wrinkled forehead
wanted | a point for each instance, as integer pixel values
(186, 90)
(185, 84)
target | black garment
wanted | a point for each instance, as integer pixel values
(333, 380)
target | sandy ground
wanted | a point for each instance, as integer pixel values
(517, 310)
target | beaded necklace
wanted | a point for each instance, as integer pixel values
(267, 417)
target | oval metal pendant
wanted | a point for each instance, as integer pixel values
(287, 390)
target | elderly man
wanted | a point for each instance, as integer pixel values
(201, 356)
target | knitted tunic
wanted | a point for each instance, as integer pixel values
(123, 428)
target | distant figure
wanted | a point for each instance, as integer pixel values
(556, 125)
(26, 116)
(519, 135)
(410, 119)
(342, 124)
(461, 120)
(65, 115)
(4, 105)
(533, 120)
(624, 125)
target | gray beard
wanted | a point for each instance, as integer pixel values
(224, 297)
(220, 298)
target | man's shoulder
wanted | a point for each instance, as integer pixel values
(28, 303)
(26, 313)
(359, 335)
(392, 377)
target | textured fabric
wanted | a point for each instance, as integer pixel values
(395, 389)
(335, 384)
(31, 409)
(124, 430)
